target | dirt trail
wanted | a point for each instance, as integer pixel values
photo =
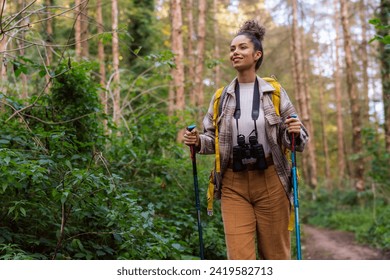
(324, 244)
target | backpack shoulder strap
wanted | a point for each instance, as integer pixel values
(275, 93)
(217, 103)
(216, 112)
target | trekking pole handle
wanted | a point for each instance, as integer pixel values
(292, 134)
(191, 128)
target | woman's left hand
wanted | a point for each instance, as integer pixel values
(293, 126)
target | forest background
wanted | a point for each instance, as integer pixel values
(95, 94)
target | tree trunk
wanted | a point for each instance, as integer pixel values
(101, 56)
(171, 100)
(191, 57)
(364, 60)
(217, 72)
(358, 166)
(385, 69)
(20, 43)
(115, 62)
(302, 99)
(200, 53)
(178, 50)
(84, 30)
(294, 69)
(3, 61)
(311, 150)
(77, 28)
(49, 40)
(323, 117)
(339, 105)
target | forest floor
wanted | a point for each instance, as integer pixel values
(325, 244)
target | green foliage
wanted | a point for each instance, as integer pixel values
(379, 233)
(379, 160)
(385, 39)
(74, 102)
(71, 192)
(154, 164)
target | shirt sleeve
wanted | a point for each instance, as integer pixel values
(207, 138)
(288, 109)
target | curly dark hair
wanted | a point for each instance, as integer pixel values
(255, 32)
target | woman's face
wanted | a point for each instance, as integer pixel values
(242, 53)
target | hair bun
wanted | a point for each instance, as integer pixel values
(254, 28)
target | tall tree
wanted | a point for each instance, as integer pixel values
(358, 166)
(84, 28)
(201, 36)
(21, 45)
(178, 50)
(190, 51)
(49, 38)
(3, 48)
(302, 97)
(217, 78)
(384, 53)
(364, 61)
(339, 105)
(77, 28)
(115, 62)
(323, 116)
(81, 28)
(101, 55)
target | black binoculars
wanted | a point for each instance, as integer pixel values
(243, 152)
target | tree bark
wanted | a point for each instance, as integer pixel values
(358, 166)
(200, 53)
(101, 55)
(217, 73)
(3, 48)
(323, 117)
(77, 28)
(339, 104)
(84, 30)
(21, 45)
(294, 70)
(115, 62)
(303, 99)
(385, 69)
(178, 50)
(364, 61)
(49, 41)
(190, 48)
(311, 150)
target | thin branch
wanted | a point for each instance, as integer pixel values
(1, 16)
(21, 11)
(51, 45)
(58, 123)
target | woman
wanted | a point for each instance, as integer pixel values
(256, 190)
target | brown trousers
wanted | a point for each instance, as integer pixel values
(254, 204)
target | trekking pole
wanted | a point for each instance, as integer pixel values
(196, 189)
(295, 191)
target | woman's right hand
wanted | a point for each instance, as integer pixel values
(192, 137)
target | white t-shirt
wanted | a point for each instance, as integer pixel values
(246, 125)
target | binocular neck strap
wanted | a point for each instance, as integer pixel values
(255, 104)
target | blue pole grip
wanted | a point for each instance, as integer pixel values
(191, 127)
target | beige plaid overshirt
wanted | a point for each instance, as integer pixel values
(275, 128)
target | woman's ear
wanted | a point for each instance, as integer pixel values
(258, 55)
